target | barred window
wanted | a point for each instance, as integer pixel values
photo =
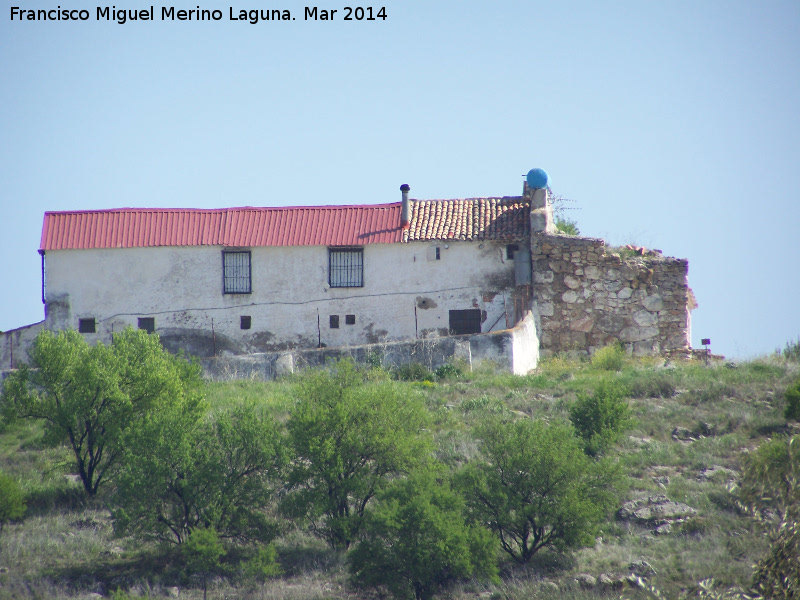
(346, 267)
(236, 273)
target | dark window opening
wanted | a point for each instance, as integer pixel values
(87, 325)
(438, 253)
(245, 322)
(349, 319)
(236, 273)
(465, 321)
(148, 324)
(510, 249)
(334, 321)
(346, 267)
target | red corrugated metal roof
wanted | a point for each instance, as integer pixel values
(248, 226)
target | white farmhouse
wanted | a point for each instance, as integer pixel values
(240, 281)
(245, 280)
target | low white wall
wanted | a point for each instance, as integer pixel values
(14, 345)
(525, 346)
(514, 350)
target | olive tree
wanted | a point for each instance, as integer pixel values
(88, 396)
(348, 438)
(534, 486)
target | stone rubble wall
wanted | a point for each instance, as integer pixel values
(586, 298)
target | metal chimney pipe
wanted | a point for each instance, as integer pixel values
(405, 213)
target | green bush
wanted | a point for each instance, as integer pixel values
(609, 358)
(771, 477)
(652, 385)
(771, 482)
(12, 500)
(349, 439)
(792, 351)
(602, 418)
(449, 371)
(262, 565)
(413, 372)
(792, 396)
(567, 227)
(183, 472)
(417, 543)
(777, 575)
(202, 552)
(535, 487)
(89, 397)
(483, 404)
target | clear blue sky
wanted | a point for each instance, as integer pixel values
(674, 125)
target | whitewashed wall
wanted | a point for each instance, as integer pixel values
(406, 294)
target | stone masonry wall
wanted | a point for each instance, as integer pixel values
(587, 298)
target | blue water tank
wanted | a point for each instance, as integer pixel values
(537, 179)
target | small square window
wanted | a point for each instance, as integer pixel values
(245, 322)
(334, 321)
(148, 324)
(87, 325)
(349, 319)
(510, 249)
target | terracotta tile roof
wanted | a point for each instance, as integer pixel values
(470, 219)
(287, 226)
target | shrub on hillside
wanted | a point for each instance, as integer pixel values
(90, 397)
(12, 500)
(653, 385)
(535, 487)
(449, 371)
(771, 485)
(792, 351)
(262, 565)
(771, 478)
(609, 358)
(777, 575)
(202, 552)
(417, 543)
(183, 472)
(349, 439)
(413, 372)
(601, 418)
(792, 396)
